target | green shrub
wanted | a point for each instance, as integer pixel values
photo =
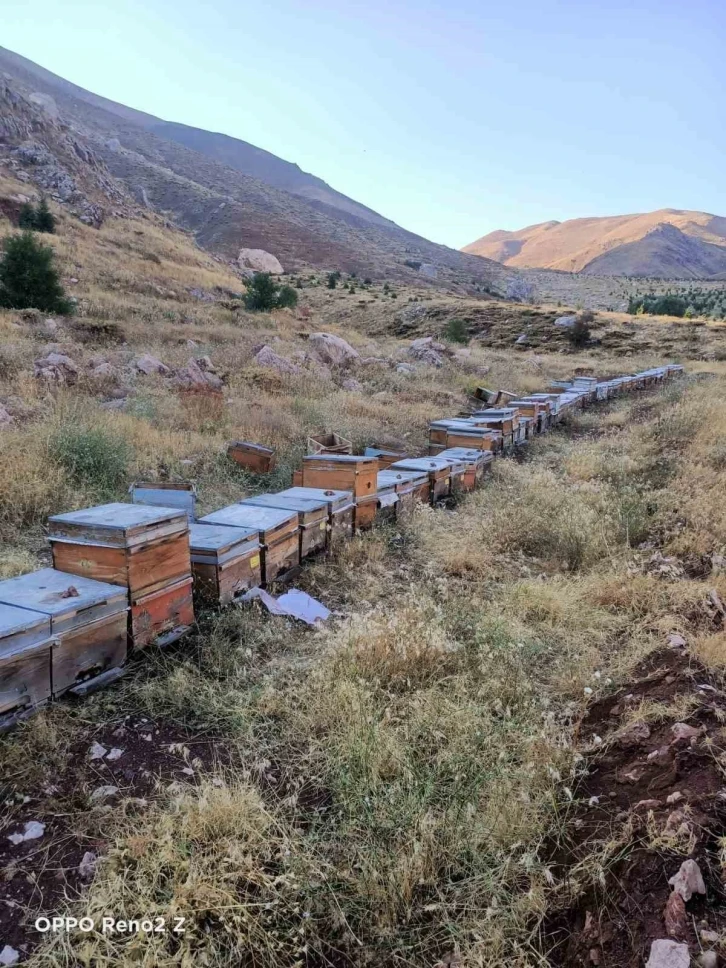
(264, 293)
(95, 459)
(455, 331)
(41, 218)
(579, 334)
(332, 280)
(28, 277)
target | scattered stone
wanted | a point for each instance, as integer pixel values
(333, 350)
(102, 370)
(674, 797)
(354, 386)
(682, 731)
(259, 261)
(429, 270)
(9, 956)
(708, 936)
(631, 776)
(87, 867)
(193, 377)
(268, 358)
(595, 956)
(660, 754)
(6, 419)
(205, 363)
(668, 954)
(102, 793)
(427, 351)
(647, 805)
(633, 734)
(115, 754)
(192, 344)
(674, 916)
(148, 364)
(676, 641)
(565, 322)
(406, 368)
(56, 368)
(97, 752)
(33, 831)
(707, 959)
(688, 881)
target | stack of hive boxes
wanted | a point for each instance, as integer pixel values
(142, 548)
(341, 509)
(58, 632)
(277, 530)
(312, 519)
(477, 464)
(503, 419)
(346, 472)
(462, 432)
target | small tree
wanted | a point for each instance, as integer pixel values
(455, 331)
(26, 219)
(28, 277)
(264, 294)
(44, 218)
(333, 279)
(579, 333)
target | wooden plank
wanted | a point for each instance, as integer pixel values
(89, 651)
(342, 525)
(365, 513)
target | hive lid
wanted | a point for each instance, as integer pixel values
(342, 458)
(399, 476)
(250, 516)
(219, 537)
(47, 591)
(119, 517)
(335, 499)
(289, 502)
(422, 464)
(466, 454)
(21, 629)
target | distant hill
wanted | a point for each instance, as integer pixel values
(669, 243)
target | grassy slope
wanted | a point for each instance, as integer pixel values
(398, 779)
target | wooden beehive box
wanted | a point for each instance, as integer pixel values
(341, 472)
(438, 471)
(141, 547)
(385, 457)
(501, 418)
(477, 463)
(329, 444)
(226, 562)
(312, 517)
(366, 511)
(25, 658)
(341, 509)
(253, 457)
(387, 497)
(411, 487)
(277, 530)
(444, 434)
(87, 618)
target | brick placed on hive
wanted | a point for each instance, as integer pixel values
(226, 562)
(87, 618)
(312, 518)
(278, 534)
(341, 472)
(25, 657)
(143, 548)
(341, 509)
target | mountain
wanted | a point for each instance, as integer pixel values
(228, 193)
(669, 243)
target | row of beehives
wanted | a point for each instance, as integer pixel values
(125, 576)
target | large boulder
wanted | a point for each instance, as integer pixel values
(427, 351)
(196, 376)
(259, 261)
(333, 350)
(565, 322)
(148, 364)
(56, 368)
(268, 358)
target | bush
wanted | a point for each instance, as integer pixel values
(26, 219)
(28, 277)
(332, 280)
(94, 458)
(579, 334)
(40, 219)
(264, 293)
(455, 331)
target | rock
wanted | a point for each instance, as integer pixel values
(193, 377)
(709, 937)
(205, 363)
(647, 805)
(707, 959)
(688, 881)
(354, 386)
(676, 641)
(97, 752)
(268, 358)
(102, 370)
(428, 270)
(682, 731)
(427, 351)
(56, 368)
(192, 344)
(333, 350)
(102, 793)
(87, 867)
(373, 361)
(148, 364)
(633, 735)
(521, 339)
(405, 368)
(115, 754)
(674, 797)
(565, 322)
(33, 831)
(595, 956)
(259, 261)
(668, 954)
(633, 775)
(6, 419)
(674, 916)
(9, 956)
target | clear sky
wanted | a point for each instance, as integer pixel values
(453, 119)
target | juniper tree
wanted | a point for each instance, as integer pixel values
(29, 278)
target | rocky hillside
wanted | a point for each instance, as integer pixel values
(669, 244)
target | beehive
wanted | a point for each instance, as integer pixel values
(477, 464)
(444, 434)
(504, 419)
(226, 562)
(25, 658)
(411, 487)
(457, 472)
(312, 518)
(341, 509)
(386, 496)
(341, 472)
(438, 471)
(366, 511)
(145, 549)
(253, 457)
(278, 535)
(535, 409)
(329, 444)
(87, 618)
(385, 457)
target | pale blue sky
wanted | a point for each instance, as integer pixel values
(452, 119)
